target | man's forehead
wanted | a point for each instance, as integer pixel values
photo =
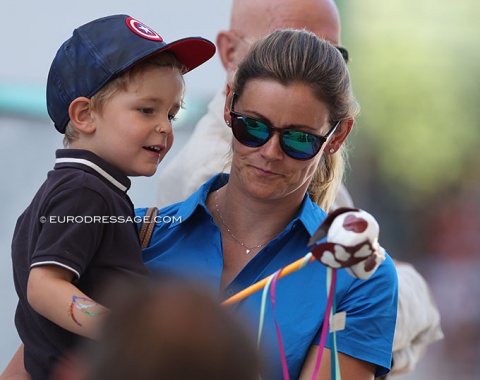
(255, 19)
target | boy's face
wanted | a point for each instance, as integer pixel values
(134, 130)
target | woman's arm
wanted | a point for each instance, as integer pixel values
(51, 293)
(350, 368)
(15, 369)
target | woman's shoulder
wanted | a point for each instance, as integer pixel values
(386, 272)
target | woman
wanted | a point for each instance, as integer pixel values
(290, 108)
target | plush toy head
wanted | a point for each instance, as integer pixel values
(352, 242)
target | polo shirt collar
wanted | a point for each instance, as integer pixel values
(197, 199)
(87, 160)
(310, 215)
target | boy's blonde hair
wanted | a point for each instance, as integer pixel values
(120, 83)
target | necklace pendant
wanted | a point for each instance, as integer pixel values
(247, 251)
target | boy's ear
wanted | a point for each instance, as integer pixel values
(80, 112)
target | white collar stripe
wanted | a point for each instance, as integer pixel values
(95, 167)
(58, 264)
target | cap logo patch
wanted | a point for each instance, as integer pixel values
(142, 30)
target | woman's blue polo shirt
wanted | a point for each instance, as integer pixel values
(187, 242)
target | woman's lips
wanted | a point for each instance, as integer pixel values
(265, 172)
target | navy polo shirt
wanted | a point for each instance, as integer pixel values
(82, 220)
(187, 241)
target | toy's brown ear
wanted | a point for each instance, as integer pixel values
(322, 230)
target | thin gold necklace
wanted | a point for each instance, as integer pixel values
(247, 249)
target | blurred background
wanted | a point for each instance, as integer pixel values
(414, 161)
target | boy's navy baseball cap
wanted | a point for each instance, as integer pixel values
(104, 48)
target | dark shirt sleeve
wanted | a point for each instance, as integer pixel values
(72, 230)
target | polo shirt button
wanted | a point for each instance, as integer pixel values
(230, 292)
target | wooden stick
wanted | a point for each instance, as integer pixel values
(296, 265)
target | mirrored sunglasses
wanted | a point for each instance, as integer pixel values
(294, 143)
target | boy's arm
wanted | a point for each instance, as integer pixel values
(51, 293)
(15, 369)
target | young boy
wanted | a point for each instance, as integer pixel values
(113, 88)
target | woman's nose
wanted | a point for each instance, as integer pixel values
(271, 149)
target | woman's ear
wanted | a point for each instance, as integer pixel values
(80, 112)
(337, 139)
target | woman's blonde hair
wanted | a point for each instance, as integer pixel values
(298, 56)
(121, 82)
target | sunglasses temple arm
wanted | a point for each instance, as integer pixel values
(332, 131)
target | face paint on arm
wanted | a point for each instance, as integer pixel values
(86, 306)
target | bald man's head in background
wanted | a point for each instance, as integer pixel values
(252, 19)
